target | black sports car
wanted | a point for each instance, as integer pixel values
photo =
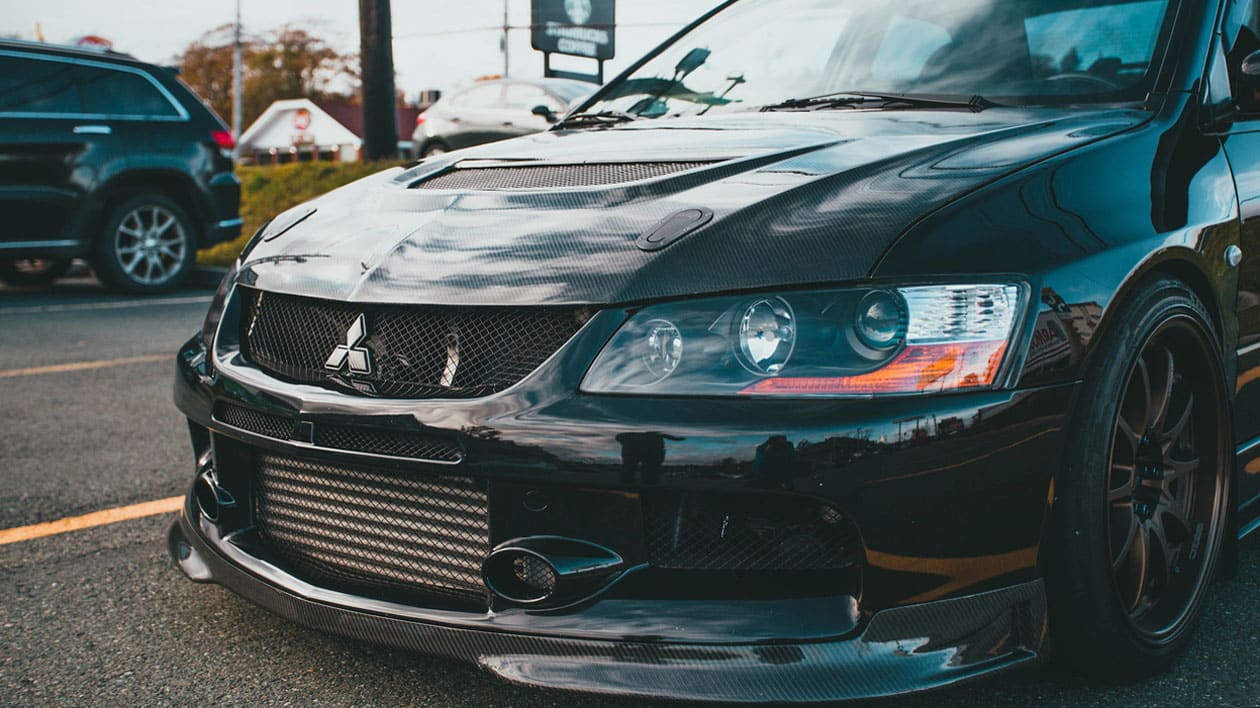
(831, 351)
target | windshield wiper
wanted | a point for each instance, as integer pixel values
(850, 99)
(596, 119)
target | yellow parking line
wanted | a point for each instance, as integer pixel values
(85, 365)
(87, 521)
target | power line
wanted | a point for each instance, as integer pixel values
(500, 28)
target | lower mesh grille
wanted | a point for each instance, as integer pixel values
(393, 443)
(760, 533)
(381, 533)
(256, 422)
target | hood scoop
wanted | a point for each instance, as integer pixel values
(497, 176)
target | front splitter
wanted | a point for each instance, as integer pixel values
(902, 650)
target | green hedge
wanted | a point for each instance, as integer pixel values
(269, 190)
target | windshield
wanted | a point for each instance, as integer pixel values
(758, 53)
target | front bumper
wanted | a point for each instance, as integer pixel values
(901, 650)
(950, 496)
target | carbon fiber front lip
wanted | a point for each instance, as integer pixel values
(902, 650)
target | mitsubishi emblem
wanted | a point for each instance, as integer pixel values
(358, 358)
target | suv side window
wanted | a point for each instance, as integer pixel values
(1241, 36)
(34, 86)
(110, 92)
(525, 97)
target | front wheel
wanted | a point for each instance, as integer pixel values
(1140, 508)
(148, 246)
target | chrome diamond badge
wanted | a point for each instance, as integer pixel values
(358, 358)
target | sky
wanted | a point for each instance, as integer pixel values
(431, 48)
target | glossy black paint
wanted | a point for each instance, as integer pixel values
(951, 494)
(61, 171)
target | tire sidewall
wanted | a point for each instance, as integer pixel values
(1085, 609)
(105, 260)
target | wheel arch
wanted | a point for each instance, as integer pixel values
(173, 184)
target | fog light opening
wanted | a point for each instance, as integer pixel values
(520, 576)
(207, 500)
(211, 498)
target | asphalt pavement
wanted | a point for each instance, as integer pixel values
(100, 616)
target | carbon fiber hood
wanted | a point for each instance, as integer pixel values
(796, 198)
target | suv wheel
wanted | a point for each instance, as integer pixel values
(148, 246)
(33, 271)
(1140, 508)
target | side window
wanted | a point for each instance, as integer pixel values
(35, 86)
(121, 93)
(1242, 37)
(525, 97)
(488, 96)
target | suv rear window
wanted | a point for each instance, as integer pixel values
(32, 86)
(110, 92)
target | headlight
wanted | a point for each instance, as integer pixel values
(853, 342)
(211, 324)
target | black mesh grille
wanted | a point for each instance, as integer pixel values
(416, 352)
(553, 176)
(709, 532)
(381, 533)
(256, 422)
(387, 442)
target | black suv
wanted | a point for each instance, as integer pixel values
(109, 158)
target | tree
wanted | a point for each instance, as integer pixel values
(290, 62)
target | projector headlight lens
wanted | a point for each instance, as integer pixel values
(767, 335)
(851, 342)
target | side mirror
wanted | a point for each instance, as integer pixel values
(1251, 66)
(545, 113)
(693, 60)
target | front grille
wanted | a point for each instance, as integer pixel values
(747, 533)
(385, 534)
(553, 176)
(415, 352)
(256, 422)
(377, 441)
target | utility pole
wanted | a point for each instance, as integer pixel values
(504, 42)
(237, 80)
(376, 50)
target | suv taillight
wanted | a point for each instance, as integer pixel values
(420, 120)
(223, 139)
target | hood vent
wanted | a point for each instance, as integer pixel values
(501, 178)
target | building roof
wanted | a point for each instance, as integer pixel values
(331, 123)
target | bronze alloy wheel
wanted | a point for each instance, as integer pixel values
(1167, 481)
(1139, 519)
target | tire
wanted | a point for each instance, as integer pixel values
(147, 246)
(1137, 528)
(433, 148)
(33, 272)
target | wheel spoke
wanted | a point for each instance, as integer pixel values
(165, 225)
(1161, 571)
(1127, 431)
(1126, 548)
(1144, 376)
(1160, 404)
(134, 233)
(1140, 553)
(1179, 427)
(1125, 491)
(1178, 469)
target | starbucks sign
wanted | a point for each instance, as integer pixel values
(583, 28)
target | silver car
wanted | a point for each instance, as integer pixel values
(494, 110)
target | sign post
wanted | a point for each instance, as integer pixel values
(580, 28)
